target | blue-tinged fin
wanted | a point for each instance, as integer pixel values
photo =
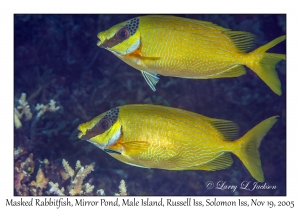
(151, 78)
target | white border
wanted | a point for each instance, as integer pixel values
(8, 8)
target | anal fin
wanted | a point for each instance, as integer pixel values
(222, 161)
(151, 78)
(233, 71)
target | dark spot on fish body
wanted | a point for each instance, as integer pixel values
(132, 25)
(113, 115)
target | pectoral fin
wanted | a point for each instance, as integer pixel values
(134, 148)
(151, 79)
(131, 149)
(135, 145)
(149, 58)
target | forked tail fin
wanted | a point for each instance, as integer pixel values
(250, 142)
(265, 67)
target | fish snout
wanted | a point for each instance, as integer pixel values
(80, 134)
(100, 44)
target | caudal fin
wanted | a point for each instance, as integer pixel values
(265, 68)
(250, 142)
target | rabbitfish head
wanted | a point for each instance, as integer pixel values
(121, 39)
(102, 131)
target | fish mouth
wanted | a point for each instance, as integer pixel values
(82, 136)
(100, 44)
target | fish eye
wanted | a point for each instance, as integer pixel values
(104, 123)
(123, 33)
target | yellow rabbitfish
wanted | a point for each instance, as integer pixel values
(180, 47)
(153, 136)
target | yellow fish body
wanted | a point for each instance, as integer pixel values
(153, 136)
(180, 47)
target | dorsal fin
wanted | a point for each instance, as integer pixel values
(228, 129)
(241, 39)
